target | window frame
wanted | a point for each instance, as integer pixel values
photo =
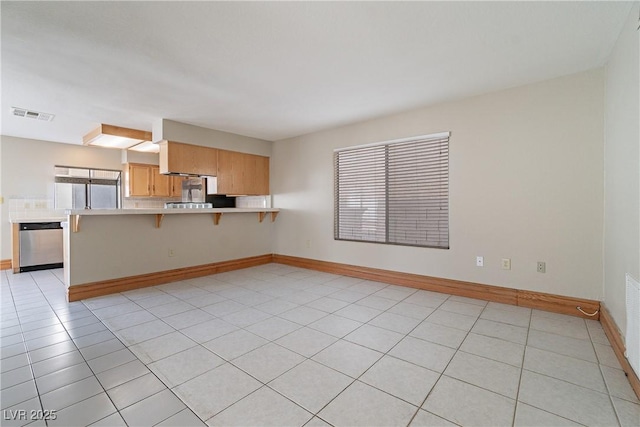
(88, 180)
(368, 150)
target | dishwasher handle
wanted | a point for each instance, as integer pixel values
(39, 225)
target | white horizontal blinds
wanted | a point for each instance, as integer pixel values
(396, 192)
(360, 194)
(418, 193)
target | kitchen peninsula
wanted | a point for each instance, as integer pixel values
(107, 251)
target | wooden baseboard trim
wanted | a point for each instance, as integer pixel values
(106, 287)
(5, 264)
(559, 304)
(15, 247)
(531, 299)
(617, 343)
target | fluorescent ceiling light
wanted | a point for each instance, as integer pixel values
(115, 137)
(146, 147)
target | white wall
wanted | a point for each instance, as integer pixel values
(27, 170)
(130, 156)
(622, 169)
(526, 183)
(189, 134)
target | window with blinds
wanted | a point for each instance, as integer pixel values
(394, 192)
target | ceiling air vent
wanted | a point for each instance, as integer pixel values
(22, 112)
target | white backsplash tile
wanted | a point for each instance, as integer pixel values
(253, 201)
(145, 203)
(29, 207)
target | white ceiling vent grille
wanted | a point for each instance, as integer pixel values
(30, 114)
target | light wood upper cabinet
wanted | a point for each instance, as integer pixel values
(242, 174)
(176, 157)
(145, 180)
(161, 185)
(237, 173)
(229, 172)
(139, 180)
(176, 186)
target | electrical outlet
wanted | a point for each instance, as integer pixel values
(542, 267)
(479, 261)
(506, 263)
(171, 252)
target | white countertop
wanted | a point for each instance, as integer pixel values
(163, 211)
(32, 220)
(159, 211)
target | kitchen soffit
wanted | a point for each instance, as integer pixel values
(274, 70)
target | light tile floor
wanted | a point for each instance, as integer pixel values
(276, 345)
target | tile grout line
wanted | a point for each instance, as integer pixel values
(606, 384)
(524, 355)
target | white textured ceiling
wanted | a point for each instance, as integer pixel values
(274, 70)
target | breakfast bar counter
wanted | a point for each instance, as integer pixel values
(75, 214)
(121, 249)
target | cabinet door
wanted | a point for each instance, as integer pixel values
(229, 173)
(160, 184)
(242, 174)
(258, 179)
(176, 186)
(176, 157)
(139, 180)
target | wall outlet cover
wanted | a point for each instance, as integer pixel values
(506, 263)
(542, 267)
(479, 261)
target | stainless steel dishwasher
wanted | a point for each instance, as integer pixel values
(40, 246)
